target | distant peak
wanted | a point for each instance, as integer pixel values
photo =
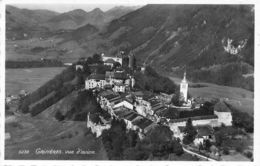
(78, 11)
(97, 10)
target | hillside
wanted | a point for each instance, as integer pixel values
(206, 39)
(73, 19)
(23, 23)
(79, 34)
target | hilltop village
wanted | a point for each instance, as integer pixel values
(141, 111)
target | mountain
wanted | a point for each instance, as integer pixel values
(69, 20)
(119, 11)
(207, 40)
(77, 18)
(28, 16)
(24, 21)
(79, 34)
(33, 22)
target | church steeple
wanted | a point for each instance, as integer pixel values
(184, 88)
(184, 76)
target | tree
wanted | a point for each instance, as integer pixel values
(125, 62)
(189, 132)
(86, 69)
(176, 99)
(135, 154)
(89, 60)
(161, 141)
(160, 134)
(207, 144)
(97, 59)
(59, 116)
(219, 138)
(115, 140)
(6, 106)
(226, 151)
(116, 65)
(134, 63)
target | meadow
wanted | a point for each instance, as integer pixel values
(28, 79)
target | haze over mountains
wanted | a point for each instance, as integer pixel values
(36, 20)
(214, 43)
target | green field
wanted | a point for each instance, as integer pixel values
(28, 79)
(239, 98)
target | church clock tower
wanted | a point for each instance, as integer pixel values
(184, 88)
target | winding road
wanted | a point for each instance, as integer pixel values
(198, 155)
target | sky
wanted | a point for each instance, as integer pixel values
(68, 7)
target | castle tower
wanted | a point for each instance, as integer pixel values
(131, 60)
(132, 82)
(184, 88)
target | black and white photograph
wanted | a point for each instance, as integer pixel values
(129, 81)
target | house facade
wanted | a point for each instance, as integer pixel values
(223, 113)
(95, 81)
(119, 88)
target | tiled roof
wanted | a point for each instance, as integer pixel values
(115, 99)
(136, 119)
(138, 93)
(125, 113)
(110, 74)
(106, 92)
(120, 76)
(149, 127)
(148, 96)
(129, 100)
(160, 111)
(168, 113)
(194, 118)
(97, 76)
(116, 75)
(131, 116)
(125, 99)
(111, 96)
(204, 130)
(142, 122)
(156, 106)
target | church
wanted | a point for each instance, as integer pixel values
(184, 89)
